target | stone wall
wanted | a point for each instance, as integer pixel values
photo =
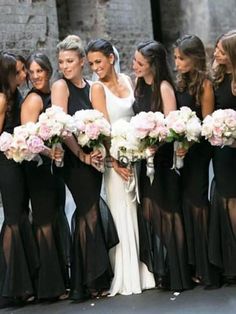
(28, 25)
(206, 18)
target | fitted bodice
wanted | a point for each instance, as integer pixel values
(185, 99)
(117, 107)
(46, 98)
(78, 97)
(224, 99)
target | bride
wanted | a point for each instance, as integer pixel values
(113, 95)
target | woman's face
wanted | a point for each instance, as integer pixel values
(100, 64)
(183, 63)
(20, 73)
(141, 65)
(220, 55)
(70, 64)
(38, 77)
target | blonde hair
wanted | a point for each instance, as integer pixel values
(72, 42)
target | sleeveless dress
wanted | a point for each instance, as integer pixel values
(92, 235)
(222, 246)
(18, 251)
(196, 207)
(47, 197)
(130, 275)
(163, 247)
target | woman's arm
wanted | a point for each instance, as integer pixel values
(60, 94)
(207, 99)
(168, 97)
(98, 99)
(31, 108)
(3, 104)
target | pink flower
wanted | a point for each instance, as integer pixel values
(92, 131)
(35, 144)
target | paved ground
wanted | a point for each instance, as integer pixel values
(197, 301)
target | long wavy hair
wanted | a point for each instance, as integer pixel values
(192, 47)
(7, 74)
(155, 54)
(228, 42)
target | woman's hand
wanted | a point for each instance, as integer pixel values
(152, 150)
(124, 172)
(181, 152)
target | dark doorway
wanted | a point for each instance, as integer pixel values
(156, 19)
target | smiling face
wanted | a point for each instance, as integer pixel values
(20, 73)
(183, 63)
(141, 66)
(220, 55)
(100, 64)
(70, 64)
(38, 77)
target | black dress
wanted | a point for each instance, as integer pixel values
(163, 247)
(196, 207)
(92, 225)
(18, 252)
(222, 248)
(47, 196)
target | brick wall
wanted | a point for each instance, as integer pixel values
(28, 25)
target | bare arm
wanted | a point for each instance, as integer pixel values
(60, 94)
(168, 97)
(31, 108)
(98, 99)
(3, 105)
(207, 99)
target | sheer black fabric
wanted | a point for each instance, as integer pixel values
(196, 207)
(47, 195)
(93, 234)
(18, 252)
(162, 239)
(222, 246)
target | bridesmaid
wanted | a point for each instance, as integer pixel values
(91, 272)
(195, 90)
(46, 190)
(160, 214)
(18, 256)
(222, 246)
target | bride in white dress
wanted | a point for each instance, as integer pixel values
(113, 95)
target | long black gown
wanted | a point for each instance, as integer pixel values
(93, 229)
(196, 207)
(163, 247)
(18, 251)
(222, 247)
(51, 229)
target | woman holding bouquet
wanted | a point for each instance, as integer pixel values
(222, 246)
(160, 215)
(195, 90)
(18, 255)
(46, 191)
(91, 272)
(113, 95)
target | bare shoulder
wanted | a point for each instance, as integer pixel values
(97, 87)
(32, 101)
(60, 84)
(166, 87)
(207, 84)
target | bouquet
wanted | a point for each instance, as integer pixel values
(23, 144)
(149, 128)
(219, 128)
(53, 126)
(126, 148)
(183, 127)
(91, 131)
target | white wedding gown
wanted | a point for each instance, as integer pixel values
(130, 275)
